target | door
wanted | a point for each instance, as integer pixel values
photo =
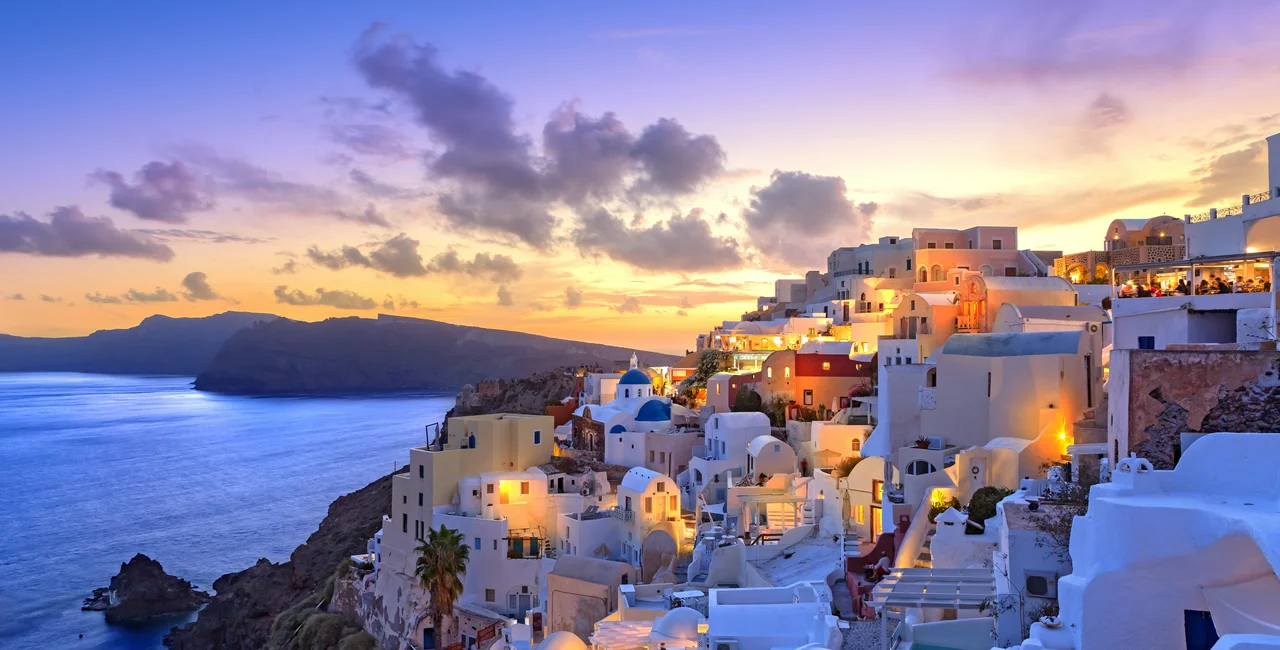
(560, 485)
(877, 526)
(1199, 629)
(911, 327)
(977, 474)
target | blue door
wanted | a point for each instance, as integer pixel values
(1201, 634)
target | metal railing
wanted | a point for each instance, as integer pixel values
(1219, 213)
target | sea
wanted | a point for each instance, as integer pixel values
(97, 468)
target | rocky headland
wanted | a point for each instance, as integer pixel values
(141, 591)
(247, 603)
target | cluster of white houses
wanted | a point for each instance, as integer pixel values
(951, 368)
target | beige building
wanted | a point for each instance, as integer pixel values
(582, 591)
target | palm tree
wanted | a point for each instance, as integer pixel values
(442, 561)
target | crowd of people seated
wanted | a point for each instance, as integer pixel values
(1213, 284)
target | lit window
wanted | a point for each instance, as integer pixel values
(877, 491)
(826, 365)
(648, 505)
(768, 372)
(524, 487)
(786, 371)
(717, 389)
(860, 513)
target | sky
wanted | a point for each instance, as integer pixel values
(624, 173)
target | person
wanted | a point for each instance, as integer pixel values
(1143, 291)
(1266, 286)
(1182, 286)
(1223, 287)
(1203, 288)
(1248, 286)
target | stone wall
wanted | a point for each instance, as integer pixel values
(1193, 391)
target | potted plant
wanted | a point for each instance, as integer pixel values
(922, 443)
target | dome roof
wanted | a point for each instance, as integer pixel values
(634, 377)
(679, 623)
(654, 410)
(562, 641)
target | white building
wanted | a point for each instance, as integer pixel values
(768, 456)
(724, 455)
(771, 618)
(1177, 558)
(653, 530)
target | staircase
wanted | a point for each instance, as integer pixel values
(925, 559)
(548, 549)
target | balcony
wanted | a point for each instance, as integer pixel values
(967, 324)
(1218, 213)
(625, 516)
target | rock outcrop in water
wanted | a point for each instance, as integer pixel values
(391, 353)
(142, 590)
(247, 602)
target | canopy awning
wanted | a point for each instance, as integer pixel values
(935, 588)
(1215, 260)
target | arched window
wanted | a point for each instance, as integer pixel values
(768, 372)
(471, 441)
(786, 371)
(857, 445)
(924, 275)
(931, 378)
(986, 271)
(938, 275)
(864, 297)
(626, 392)
(920, 467)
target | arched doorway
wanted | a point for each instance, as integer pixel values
(938, 276)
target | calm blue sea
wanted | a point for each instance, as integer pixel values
(96, 468)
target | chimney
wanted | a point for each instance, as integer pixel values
(1273, 165)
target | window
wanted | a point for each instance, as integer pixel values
(777, 448)
(826, 365)
(893, 240)
(931, 245)
(786, 371)
(651, 455)
(768, 372)
(808, 397)
(524, 487)
(920, 467)
(673, 501)
(893, 272)
(489, 596)
(495, 544)
(996, 244)
(877, 490)
(908, 263)
(405, 499)
(419, 499)
(662, 486)
(860, 513)
(662, 457)
(471, 441)
(988, 384)
(949, 245)
(537, 436)
(856, 445)
(1146, 342)
(908, 360)
(913, 305)
(648, 505)
(628, 504)
(477, 543)
(404, 522)
(717, 388)
(626, 392)
(421, 472)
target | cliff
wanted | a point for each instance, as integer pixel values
(159, 345)
(248, 601)
(354, 355)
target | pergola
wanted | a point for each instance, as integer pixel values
(1190, 265)
(906, 589)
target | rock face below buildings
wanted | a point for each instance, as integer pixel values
(247, 602)
(142, 590)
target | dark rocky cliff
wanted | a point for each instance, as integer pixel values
(159, 345)
(353, 355)
(247, 602)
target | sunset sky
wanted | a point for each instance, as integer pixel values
(625, 173)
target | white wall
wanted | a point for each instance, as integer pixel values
(625, 448)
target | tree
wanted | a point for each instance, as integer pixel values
(442, 561)
(709, 363)
(747, 400)
(982, 505)
(1058, 512)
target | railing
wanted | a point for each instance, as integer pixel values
(966, 324)
(622, 515)
(1231, 210)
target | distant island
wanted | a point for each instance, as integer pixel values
(264, 354)
(390, 353)
(159, 345)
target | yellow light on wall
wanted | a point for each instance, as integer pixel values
(777, 340)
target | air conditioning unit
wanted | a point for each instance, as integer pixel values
(726, 645)
(1041, 584)
(937, 442)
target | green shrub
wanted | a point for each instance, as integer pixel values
(982, 505)
(936, 510)
(747, 400)
(844, 466)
